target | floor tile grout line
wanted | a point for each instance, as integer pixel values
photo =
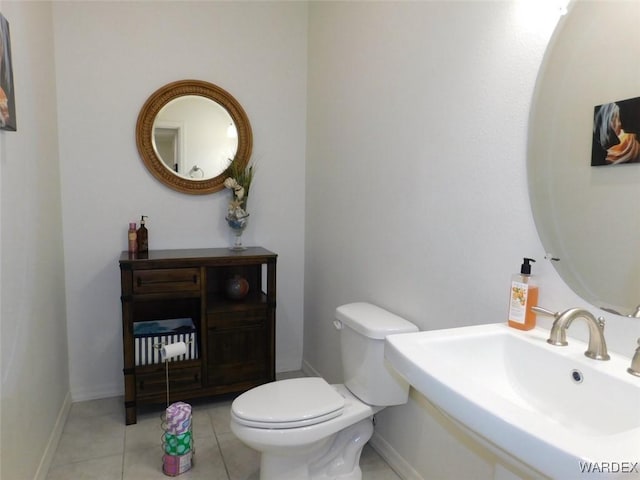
(215, 435)
(124, 451)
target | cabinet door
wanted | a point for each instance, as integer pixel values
(236, 355)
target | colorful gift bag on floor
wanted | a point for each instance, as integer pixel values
(177, 440)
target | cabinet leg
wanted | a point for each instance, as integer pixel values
(131, 413)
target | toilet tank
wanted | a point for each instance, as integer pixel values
(363, 328)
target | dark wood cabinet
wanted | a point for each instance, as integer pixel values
(235, 338)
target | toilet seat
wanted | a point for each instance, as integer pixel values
(292, 403)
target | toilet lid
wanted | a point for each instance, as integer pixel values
(295, 402)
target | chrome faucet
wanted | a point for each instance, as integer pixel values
(597, 346)
(634, 369)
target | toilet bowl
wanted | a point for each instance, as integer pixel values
(307, 429)
(307, 447)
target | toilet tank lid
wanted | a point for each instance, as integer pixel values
(372, 321)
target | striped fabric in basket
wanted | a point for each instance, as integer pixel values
(150, 336)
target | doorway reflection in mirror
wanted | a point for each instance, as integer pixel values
(193, 131)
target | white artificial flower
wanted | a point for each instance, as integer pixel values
(230, 182)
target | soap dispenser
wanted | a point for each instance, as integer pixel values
(523, 296)
(143, 236)
(132, 238)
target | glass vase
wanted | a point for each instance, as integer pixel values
(237, 225)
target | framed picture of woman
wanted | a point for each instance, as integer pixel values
(7, 94)
(616, 133)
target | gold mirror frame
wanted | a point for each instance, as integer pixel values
(144, 133)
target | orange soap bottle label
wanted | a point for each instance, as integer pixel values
(523, 297)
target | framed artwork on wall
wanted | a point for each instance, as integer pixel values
(616, 133)
(7, 94)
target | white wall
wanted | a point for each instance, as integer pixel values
(416, 185)
(257, 52)
(417, 128)
(35, 378)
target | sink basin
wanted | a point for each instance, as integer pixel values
(553, 409)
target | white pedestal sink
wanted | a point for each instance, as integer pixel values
(551, 408)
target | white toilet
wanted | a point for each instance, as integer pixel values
(307, 429)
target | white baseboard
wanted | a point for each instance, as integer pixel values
(103, 391)
(308, 370)
(54, 439)
(395, 461)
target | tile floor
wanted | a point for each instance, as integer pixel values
(96, 445)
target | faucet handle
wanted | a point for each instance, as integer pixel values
(545, 312)
(634, 369)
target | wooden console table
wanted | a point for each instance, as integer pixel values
(235, 338)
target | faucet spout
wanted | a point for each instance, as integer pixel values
(597, 346)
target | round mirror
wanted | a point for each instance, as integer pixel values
(188, 132)
(587, 216)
